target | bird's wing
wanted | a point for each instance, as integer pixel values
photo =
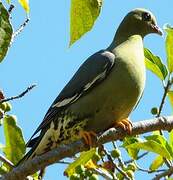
(93, 71)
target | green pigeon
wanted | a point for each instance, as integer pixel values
(102, 93)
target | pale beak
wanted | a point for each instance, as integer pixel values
(157, 29)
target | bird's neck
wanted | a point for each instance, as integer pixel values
(125, 32)
(121, 38)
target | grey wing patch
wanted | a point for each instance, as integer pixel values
(94, 70)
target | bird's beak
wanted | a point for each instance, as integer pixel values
(156, 29)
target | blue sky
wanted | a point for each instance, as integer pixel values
(40, 54)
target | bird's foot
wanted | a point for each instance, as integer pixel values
(87, 136)
(125, 124)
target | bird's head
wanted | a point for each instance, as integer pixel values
(140, 21)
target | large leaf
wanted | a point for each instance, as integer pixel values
(170, 95)
(132, 152)
(155, 65)
(81, 160)
(25, 5)
(6, 32)
(83, 15)
(169, 46)
(158, 161)
(14, 142)
(151, 146)
(161, 140)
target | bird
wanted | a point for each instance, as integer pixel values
(102, 93)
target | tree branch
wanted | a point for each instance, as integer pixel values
(19, 96)
(6, 161)
(31, 166)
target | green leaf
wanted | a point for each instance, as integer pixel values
(132, 152)
(3, 170)
(158, 161)
(14, 142)
(8, 1)
(170, 95)
(81, 160)
(83, 15)
(154, 64)
(151, 146)
(6, 32)
(171, 138)
(25, 5)
(169, 47)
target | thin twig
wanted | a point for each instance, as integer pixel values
(121, 162)
(139, 157)
(166, 89)
(102, 173)
(147, 170)
(10, 8)
(18, 31)
(6, 161)
(168, 173)
(116, 166)
(64, 162)
(18, 96)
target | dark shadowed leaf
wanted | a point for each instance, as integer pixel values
(14, 142)
(155, 65)
(169, 46)
(81, 160)
(158, 161)
(5, 32)
(83, 15)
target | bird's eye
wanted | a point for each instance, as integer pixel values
(146, 16)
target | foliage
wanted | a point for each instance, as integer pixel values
(83, 15)
(23, 3)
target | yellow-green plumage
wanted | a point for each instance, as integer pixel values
(104, 90)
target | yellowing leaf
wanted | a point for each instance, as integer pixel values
(158, 161)
(90, 165)
(25, 5)
(169, 47)
(81, 160)
(83, 15)
(170, 95)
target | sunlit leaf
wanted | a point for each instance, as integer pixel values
(83, 15)
(158, 161)
(14, 142)
(5, 32)
(132, 152)
(8, 1)
(169, 46)
(25, 5)
(151, 146)
(3, 169)
(81, 160)
(161, 140)
(170, 95)
(155, 65)
(171, 139)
